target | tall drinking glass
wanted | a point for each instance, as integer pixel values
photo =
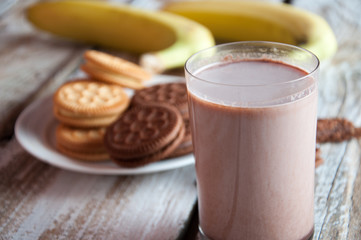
(253, 115)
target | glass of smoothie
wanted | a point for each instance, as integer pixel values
(253, 115)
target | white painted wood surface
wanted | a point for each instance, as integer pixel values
(29, 60)
(338, 180)
(39, 201)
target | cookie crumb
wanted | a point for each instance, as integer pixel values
(336, 130)
(319, 160)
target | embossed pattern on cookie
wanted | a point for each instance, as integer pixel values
(88, 103)
(170, 93)
(144, 134)
(87, 97)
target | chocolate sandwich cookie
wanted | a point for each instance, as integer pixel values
(82, 144)
(170, 93)
(144, 134)
(112, 69)
(186, 145)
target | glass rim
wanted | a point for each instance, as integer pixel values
(186, 67)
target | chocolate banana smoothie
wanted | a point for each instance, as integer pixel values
(254, 149)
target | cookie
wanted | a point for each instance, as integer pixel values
(82, 144)
(112, 69)
(160, 155)
(170, 93)
(318, 159)
(83, 121)
(186, 145)
(88, 103)
(336, 130)
(105, 76)
(144, 134)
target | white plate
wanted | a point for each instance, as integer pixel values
(35, 131)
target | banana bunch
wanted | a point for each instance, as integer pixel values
(247, 21)
(163, 39)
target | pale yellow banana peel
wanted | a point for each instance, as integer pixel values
(163, 39)
(261, 21)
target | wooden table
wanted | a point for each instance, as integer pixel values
(40, 201)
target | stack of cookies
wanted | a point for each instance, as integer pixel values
(156, 127)
(85, 107)
(144, 134)
(87, 103)
(98, 120)
(111, 69)
(174, 94)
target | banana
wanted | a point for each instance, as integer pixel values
(163, 39)
(246, 21)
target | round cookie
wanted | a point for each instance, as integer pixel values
(89, 97)
(159, 155)
(89, 103)
(82, 144)
(116, 65)
(83, 121)
(104, 76)
(144, 134)
(170, 93)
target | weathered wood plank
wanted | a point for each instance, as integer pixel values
(337, 190)
(335, 186)
(28, 60)
(39, 201)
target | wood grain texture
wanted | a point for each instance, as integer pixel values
(338, 189)
(39, 201)
(29, 59)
